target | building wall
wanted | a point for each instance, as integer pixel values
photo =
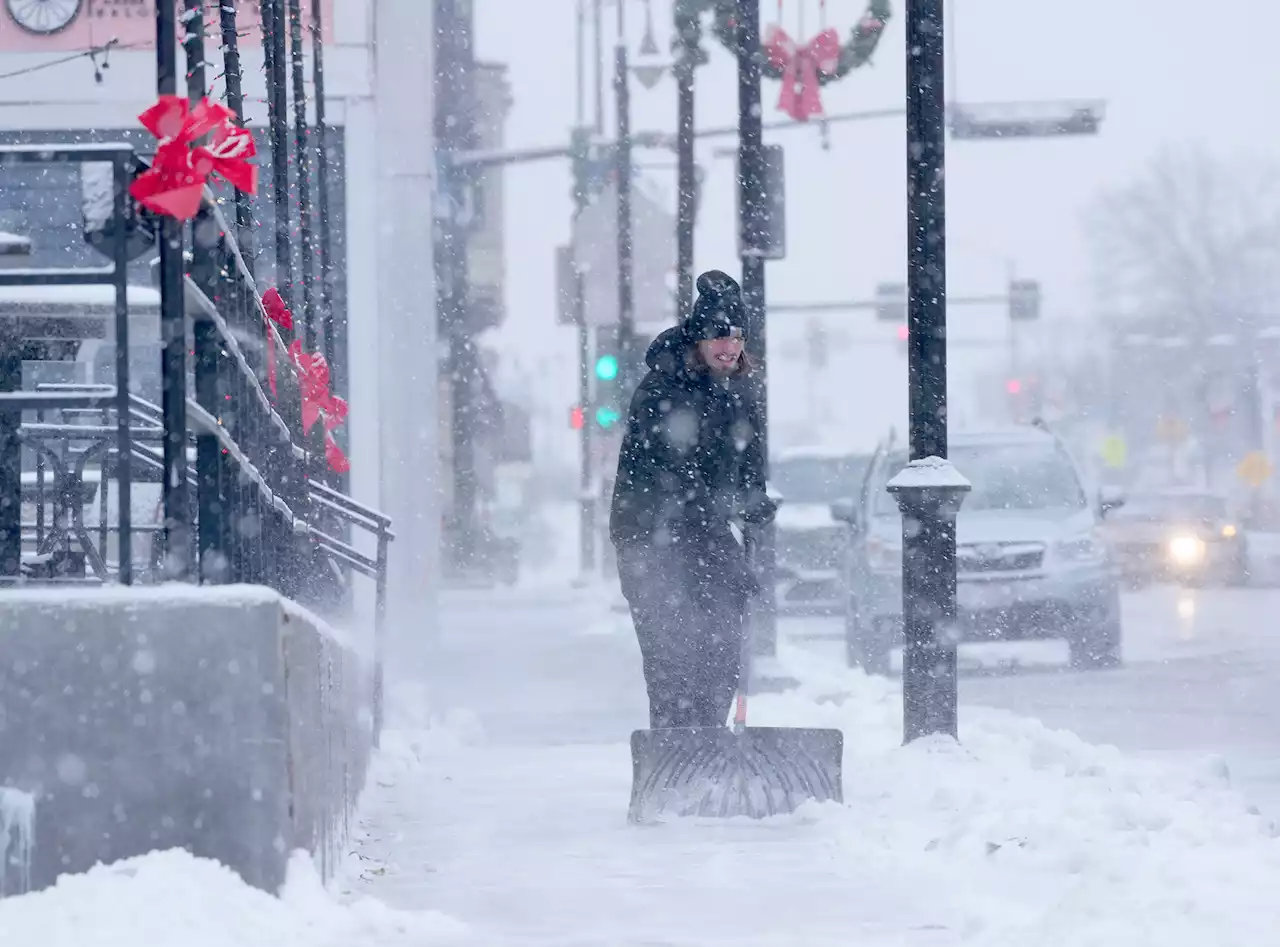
(46, 89)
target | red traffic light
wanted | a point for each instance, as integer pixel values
(1013, 386)
(577, 417)
(903, 333)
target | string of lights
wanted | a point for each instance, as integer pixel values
(91, 54)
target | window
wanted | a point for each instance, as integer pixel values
(817, 479)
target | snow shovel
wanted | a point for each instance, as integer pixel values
(740, 771)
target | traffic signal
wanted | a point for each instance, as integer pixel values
(607, 367)
(577, 417)
(592, 166)
(608, 398)
(1024, 300)
(891, 302)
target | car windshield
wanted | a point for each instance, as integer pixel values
(1172, 506)
(1004, 477)
(817, 479)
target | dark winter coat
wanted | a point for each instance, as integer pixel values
(690, 462)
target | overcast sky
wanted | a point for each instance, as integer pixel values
(1171, 72)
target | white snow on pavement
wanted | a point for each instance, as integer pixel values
(172, 898)
(1017, 836)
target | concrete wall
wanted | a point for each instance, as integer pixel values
(223, 721)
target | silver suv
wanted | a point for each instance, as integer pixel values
(1030, 563)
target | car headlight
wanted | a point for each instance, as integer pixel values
(1186, 549)
(1081, 550)
(884, 557)
(1228, 531)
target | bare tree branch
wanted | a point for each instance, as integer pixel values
(1193, 240)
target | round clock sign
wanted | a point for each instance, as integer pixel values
(43, 17)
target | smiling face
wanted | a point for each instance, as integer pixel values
(720, 355)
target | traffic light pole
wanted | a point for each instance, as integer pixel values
(626, 301)
(586, 495)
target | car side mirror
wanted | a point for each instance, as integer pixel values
(1110, 499)
(844, 511)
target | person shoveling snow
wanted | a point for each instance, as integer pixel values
(690, 464)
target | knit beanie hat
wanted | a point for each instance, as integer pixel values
(718, 312)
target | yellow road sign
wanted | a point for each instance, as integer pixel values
(1115, 453)
(1255, 469)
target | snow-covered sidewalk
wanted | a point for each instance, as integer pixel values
(495, 815)
(1017, 836)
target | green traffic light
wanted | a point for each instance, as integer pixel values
(607, 417)
(607, 367)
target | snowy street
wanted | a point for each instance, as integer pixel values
(505, 810)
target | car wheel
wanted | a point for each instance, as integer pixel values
(867, 645)
(1097, 645)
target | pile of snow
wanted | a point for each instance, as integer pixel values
(172, 897)
(1056, 841)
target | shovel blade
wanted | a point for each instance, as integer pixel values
(714, 772)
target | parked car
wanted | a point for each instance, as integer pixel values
(810, 544)
(1030, 561)
(1183, 535)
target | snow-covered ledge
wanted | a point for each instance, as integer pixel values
(226, 721)
(929, 472)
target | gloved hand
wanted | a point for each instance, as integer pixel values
(760, 510)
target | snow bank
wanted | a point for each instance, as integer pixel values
(1058, 842)
(174, 898)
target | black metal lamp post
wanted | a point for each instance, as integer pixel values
(753, 226)
(685, 66)
(929, 492)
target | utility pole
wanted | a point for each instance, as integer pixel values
(454, 104)
(626, 301)
(753, 226)
(581, 197)
(930, 495)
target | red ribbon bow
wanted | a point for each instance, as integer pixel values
(174, 182)
(801, 67)
(277, 312)
(319, 404)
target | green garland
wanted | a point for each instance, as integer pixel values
(864, 37)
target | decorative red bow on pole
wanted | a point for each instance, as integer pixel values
(174, 182)
(277, 312)
(319, 404)
(801, 68)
